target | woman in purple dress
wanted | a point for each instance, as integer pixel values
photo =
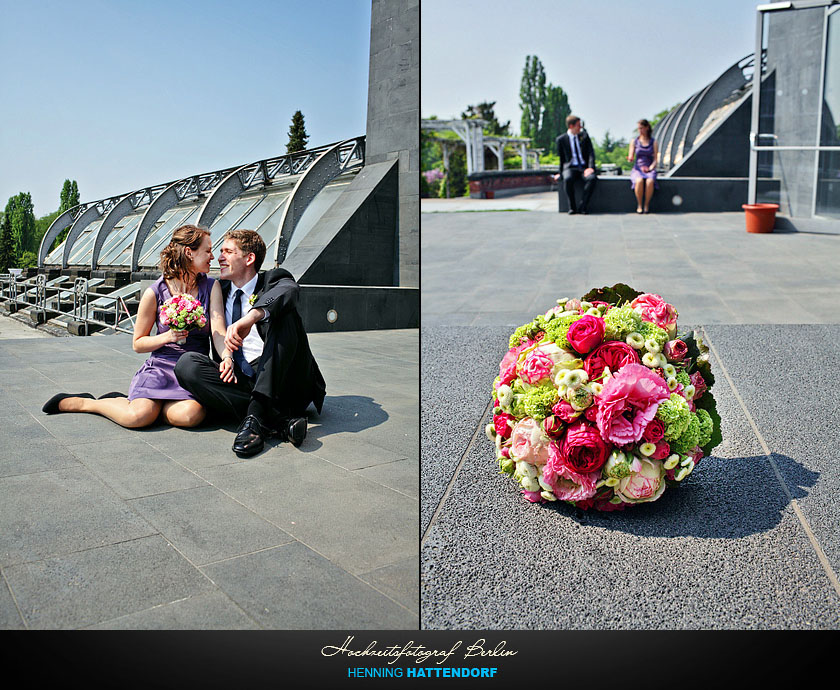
(645, 152)
(154, 391)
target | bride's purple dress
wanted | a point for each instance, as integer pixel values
(156, 378)
(644, 156)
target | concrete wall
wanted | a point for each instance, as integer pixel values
(393, 117)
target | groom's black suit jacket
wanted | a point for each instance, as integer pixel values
(564, 150)
(287, 373)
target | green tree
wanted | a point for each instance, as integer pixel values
(20, 219)
(69, 196)
(532, 94)
(69, 199)
(297, 134)
(7, 254)
(484, 111)
(555, 112)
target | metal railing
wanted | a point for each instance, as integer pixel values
(81, 300)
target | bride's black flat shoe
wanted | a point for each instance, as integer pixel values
(115, 394)
(51, 406)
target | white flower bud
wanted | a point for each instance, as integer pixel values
(548, 496)
(647, 449)
(670, 371)
(526, 469)
(530, 484)
(593, 311)
(650, 359)
(490, 430)
(672, 383)
(689, 391)
(672, 461)
(652, 346)
(635, 340)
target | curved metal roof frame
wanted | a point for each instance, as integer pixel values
(91, 213)
(130, 203)
(344, 156)
(680, 125)
(716, 92)
(195, 186)
(664, 129)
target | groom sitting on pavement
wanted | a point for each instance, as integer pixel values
(266, 376)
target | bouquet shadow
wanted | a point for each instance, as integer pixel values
(716, 503)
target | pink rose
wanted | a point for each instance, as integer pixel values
(586, 333)
(507, 367)
(613, 354)
(553, 425)
(565, 411)
(582, 448)
(565, 483)
(503, 423)
(533, 496)
(675, 350)
(654, 431)
(656, 310)
(647, 484)
(699, 385)
(529, 442)
(628, 403)
(591, 413)
(663, 450)
(537, 366)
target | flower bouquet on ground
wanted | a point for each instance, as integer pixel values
(601, 404)
(183, 313)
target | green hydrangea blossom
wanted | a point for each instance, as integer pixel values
(707, 427)
(689, 438)
(506, 465)
(683, 378)
(538, 401)
(650, 331)
(675, 415)
(557, 329)
(619, 322)
(524, 332)
(618, 466)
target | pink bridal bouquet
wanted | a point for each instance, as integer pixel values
(601, 404)
(182, 313)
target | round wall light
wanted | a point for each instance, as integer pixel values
(332, 316)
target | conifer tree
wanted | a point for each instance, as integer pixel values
(297, 134)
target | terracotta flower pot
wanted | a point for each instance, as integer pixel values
(760, 217)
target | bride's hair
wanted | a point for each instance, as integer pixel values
(174, 262)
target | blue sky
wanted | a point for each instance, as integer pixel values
(121, 94)
(618, 61)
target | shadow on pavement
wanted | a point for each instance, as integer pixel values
(726, 504)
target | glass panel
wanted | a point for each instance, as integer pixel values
(118, 233)
(263, 210)
(126, 238)
(83, 248)
(159, 238)
(316, 209)
(789, 107)
(230, 215)
(828, 174)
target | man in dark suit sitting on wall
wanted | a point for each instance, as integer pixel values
(577, 161)
(267, 376)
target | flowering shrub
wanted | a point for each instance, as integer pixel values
(601, 404)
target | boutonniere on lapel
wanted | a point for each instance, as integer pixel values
(252, 299)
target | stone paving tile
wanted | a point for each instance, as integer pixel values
(9, 615)
(60, 511)
(207, 526)
(585, 566)
(351, 453)
(292, 588)
(400, 581)
(356, 523)
(211, 611)
(132, 468)
(400, 475)
(88, 587)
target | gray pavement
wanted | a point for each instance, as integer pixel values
(163, 528)
(749, 542)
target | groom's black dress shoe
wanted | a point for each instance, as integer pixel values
(295, 430)
(51, 406)
(250, 437)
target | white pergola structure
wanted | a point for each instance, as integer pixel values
(471, 132)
